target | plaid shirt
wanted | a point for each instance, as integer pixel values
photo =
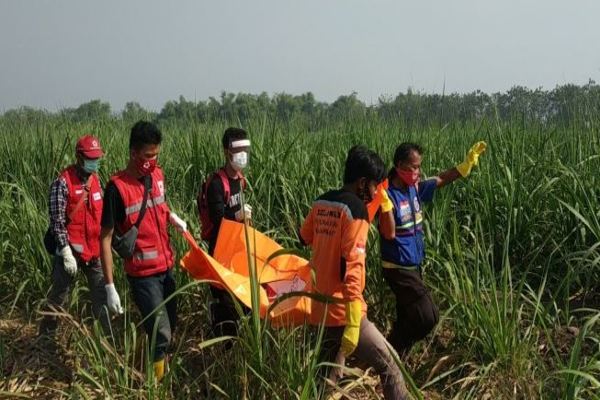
(59, 196)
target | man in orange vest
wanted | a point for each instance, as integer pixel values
(337, 228)
(149, 263)
(75, 211)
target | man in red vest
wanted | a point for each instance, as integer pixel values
(149, 266)
(75, 211)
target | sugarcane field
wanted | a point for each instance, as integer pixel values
(274, 201)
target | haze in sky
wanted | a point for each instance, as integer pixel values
(61, 53)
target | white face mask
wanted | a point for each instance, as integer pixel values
(239, 160)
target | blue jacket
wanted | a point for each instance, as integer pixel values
(408, 247)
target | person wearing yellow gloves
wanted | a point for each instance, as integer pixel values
(402, 244)
(336, 228)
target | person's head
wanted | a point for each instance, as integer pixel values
(364, 170)
(88, 153)
(236, 147)
(407, 163)
(144, 146)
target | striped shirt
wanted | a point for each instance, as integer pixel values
(59, 195)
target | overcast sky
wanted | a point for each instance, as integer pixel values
(61, 53)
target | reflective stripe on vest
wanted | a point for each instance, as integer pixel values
(77, 247)
(147, 255)
(411, 223)
(155, 201)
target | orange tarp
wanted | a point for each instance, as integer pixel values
(230, 268)
(283, 274)
(374, 205)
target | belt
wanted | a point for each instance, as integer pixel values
(391, 265)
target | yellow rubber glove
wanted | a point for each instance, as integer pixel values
(472, 158)
(159, 369)
(352, 330)
(386, 203)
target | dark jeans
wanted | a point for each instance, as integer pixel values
(373, 350)
(62, 284)
(148, 293)
(224, 316)
(416, 314)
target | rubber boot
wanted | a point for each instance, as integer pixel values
(159, 369)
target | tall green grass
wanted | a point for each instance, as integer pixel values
(513, 258)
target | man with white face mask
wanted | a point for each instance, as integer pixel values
(221, 197)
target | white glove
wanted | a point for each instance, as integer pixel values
(177, 222)
(112, 299)
(69, 262)
(244, 213)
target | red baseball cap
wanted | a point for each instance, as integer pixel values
(89, 146)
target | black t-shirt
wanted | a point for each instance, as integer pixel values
(113, 210)
(217, 209)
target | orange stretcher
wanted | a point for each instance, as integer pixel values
(278, 276)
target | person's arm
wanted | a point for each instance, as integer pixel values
(112, 198)
(354, 246)
(58, 212)
(215, 196)
(306, 232)
(387, 224)
(446, 177)
(59, 196)
(113, 209)
(106, 253)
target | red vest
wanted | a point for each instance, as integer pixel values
(83, 221)
(153, 252)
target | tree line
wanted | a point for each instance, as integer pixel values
(559, 106)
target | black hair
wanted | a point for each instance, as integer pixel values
(363, 163)
(232, 134)
(402, 154)
(404, 150)
(143, 133)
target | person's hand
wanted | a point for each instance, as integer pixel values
(352, 330)
(177, 222)
(472, 158)
(386, 203)
(69, 262)
(112, 299)
(244, 213)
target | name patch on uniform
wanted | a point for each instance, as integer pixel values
(416, 204)
(97, 196)
(360, 248)
(78, 191)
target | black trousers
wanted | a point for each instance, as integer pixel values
(223, 313)
(148, 293)
(416, 314)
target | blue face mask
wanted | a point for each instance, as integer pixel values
(90, 166)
